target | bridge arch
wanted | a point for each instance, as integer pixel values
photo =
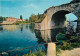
(53, 14)
(59, 19)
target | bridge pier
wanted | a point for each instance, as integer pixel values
(51, 50)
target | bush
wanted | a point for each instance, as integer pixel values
(74, 39)
(17, 23)
(75, 45)
(41, 53)
(66, 47)
(58, 49)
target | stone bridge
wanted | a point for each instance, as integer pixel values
(55, 16)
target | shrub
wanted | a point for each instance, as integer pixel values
(66, 47)
(75, 45)
(17, 23)
(57, 50)
(40, 53)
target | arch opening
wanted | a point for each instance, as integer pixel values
(60, 18)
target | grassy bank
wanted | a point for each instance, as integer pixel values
(71, 44)
(40, 53)
(23, 22)
(67, 45)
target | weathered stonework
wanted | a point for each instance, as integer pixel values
(55, 16)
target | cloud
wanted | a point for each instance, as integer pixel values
(31, 6)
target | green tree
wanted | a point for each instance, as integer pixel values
(38, 16)
(33, 18)
(42, 16)
(21, 17)
(2, 18)
(27, 19)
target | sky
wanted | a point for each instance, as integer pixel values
(15, 8)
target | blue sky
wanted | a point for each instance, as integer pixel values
(26, 8)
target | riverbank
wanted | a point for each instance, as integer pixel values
(74, 52)
(14, 23)
(40, 53)
(70, 48)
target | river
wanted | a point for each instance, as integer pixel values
(14, 37)
(18, 36)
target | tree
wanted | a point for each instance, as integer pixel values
(38, 16)
(26, 19)
(33, 18)
(42, 16)
(21, 17)
(2, 18)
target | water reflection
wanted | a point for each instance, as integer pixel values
(1, 28)
(16, 27)
(30, 27)
(10, 27)
(21, 28)
(48, 35)
(43, 36)
(17, 36)
(20, 36)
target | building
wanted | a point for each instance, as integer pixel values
(11, 20)
(24, 20)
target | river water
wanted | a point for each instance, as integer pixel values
(14, 37)
(18, 36)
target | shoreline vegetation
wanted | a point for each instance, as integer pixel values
(72, 46)
(23, 22)
(73, 52)
(32, 19)
(40, 53)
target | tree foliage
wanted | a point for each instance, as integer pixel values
(21, 17)
(33, 18)
(2, 18)
(27, 19)
(41, 16)
(36, 18)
